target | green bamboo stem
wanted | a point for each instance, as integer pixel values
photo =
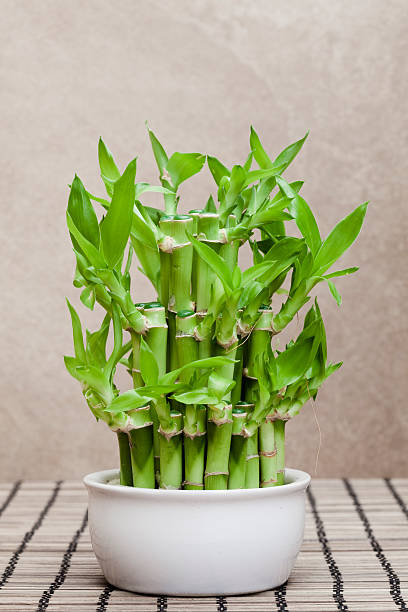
(207, 232)
(126, 477)
(141, 447)
(185, 342)
(171, 455)
(194, 214)
(194, 449)
(177, 244)
(156, 339)
(268, 454)
(136, 375)
(279, 427)
(238, 452)
(252, 463)
(238, 368)
(156, 335)
(219, 432)
(259, 340)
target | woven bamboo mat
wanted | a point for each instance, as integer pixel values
(354, 556)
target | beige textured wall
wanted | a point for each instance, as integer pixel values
(201, 72)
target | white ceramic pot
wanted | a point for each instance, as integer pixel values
(196, 542)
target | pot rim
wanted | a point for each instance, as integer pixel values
(298, 481)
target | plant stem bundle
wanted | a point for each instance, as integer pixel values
(212, 388)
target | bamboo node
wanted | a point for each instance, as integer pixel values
(207, 474)
(268, 453)
(169, 434)
(249, 457)
(265, 483)
(193, 484)
(196, 434)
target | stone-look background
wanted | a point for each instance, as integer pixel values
(201, 72)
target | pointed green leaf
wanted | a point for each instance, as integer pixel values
(287, 155)
(148, 364)
(261, 157)
(334, 292)
(77, 334)
(82, 213)
(215, 262)
(115, 228)
(293, 363)
(340, 239)
(158, 152)
(181, 166)
(109, 170)
(217, 169)
(87, 297)
(210, 206)
(306, 223)
(83, 245)
(129, 400)
(341, 273)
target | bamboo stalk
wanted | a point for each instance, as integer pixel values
(238, 452)
(194, 449)
(126, 477)
(171, 455)
(279, 428)
(156, 338)
(219, 432)
(268, 454)
(141, 447)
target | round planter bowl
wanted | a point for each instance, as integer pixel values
(196, 542)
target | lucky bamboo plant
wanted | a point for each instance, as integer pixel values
(212, 389)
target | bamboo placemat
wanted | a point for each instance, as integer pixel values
(354, 556)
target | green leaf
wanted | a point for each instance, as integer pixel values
(148, 364)
(71, 363)
(215, 262)
(261, 157)
(341, 273)
(292, 363)
(158, 152)
(254, 272)
(198, 396)
(77, 334)
(248, 163)
(109, 170)
(217, 169)
(208, 362)
(181, 166)
(334, 292)
(93, 377)
(210, 206)
(340, 239)
(87, 297)
(129, 400)
(287, 155)
(236, 277)
(143, 187)
(219, 386)
(257, 175)
(82, 213)
(96, 344)
(83, 245)
(117, 340)
(306, 223)
(267, 216)
(115, 228)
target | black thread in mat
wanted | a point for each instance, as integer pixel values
(10, 496)
(394, 581)
(161, 603)
(104, 597)
(396, 496)
(64, 567)
(8, 572)
(335, 573)
(221, 604)
(280, 598)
